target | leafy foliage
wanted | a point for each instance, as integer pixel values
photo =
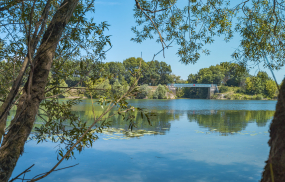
(271, 88)
(194, 24)
(160, 92)
(143, 91)
(223, 89)
(228, 122)
(99, 88)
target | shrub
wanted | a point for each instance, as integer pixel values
(143, 91)
(102, 84)
(259, 97)
(215, 96)
(239, 90)
(228, 96)
(236, 96)
(117, 88)
(223, 89)
(159, 92)
(155, 96)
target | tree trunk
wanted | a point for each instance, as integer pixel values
(276, 157)
(22, 124)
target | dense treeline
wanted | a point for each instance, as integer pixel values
(113, 78)
(116, 77)
(228, 75)
(154, 73)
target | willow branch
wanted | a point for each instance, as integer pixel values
(155, 10)
(161, 39)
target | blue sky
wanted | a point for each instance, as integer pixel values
(119, 15)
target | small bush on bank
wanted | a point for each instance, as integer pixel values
(159, 92)
(259, 97)
(239, 90)
(215, 96)
(143, 91)
(150, 95)
(236, 96)
(228, 96)
(223, 89)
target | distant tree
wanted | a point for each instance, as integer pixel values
(117, 88)
(131, 65)
(152, 75)
(253, 85)
(257, 85)
(159, 92)
(248, 85)
(176, 79)
(157, 73)
(116, 70)
(235, 74)
(143, 91)
(180, 92)
(204, 76)
(270, 88)
(263, 76)
(99, 88)
(192, 78)
(218, 74)
(164, 72)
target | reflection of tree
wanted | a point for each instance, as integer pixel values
(224, 121)
(159, 118)
(229, 121)
(160, 121)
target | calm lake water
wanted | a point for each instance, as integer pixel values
(189, 140)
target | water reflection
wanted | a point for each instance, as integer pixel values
(170, 149)
(228, 121)
(223, 121)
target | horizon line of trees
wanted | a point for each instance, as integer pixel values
(154, 72)
(118, 77)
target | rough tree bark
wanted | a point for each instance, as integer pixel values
(277, 143)
(13, 143)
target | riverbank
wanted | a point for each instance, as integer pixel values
(80, 93)
(231, 93)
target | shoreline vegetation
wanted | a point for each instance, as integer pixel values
(233, 80)
(152, 92)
